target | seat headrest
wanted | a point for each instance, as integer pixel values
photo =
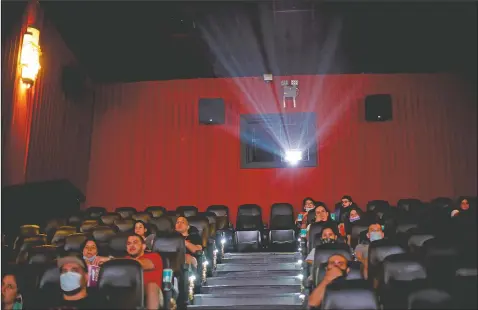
(377, 205)
(156, 211)
(211, 216)
(442, 202)
(404, 227)
(249, 210)
(350, 298)
(380, 249)
(88, 225)
(124, 225)
(103, 233)
(357, 229)
(29, 230)
(54, 224)
(324, 251)
(171, 243)
(187, 211)
(282, 208)
(41, 238)
(402, 267)
(314, 232)
(198, 221)
(95, 212)
(282, 222)
(163, 224)
(429, 298)
(42, 254)
(219, 210)
(408, 204)
(125, 212)
(74, 242)
(141, 216)
(418, 239)
(117, 243)
(75, 220)
(61, 234)
(466, 272)
(109, 218)
(50, 279)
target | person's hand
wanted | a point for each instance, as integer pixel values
(332, 273)
(99, 260)
(454, 212)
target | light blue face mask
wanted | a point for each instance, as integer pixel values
(70, 281)
(375, 235)
(91, 259)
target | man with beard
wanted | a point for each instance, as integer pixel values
(152, 265)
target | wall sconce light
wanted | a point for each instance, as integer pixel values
(30, 56)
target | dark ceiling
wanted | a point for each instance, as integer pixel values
(130, 41)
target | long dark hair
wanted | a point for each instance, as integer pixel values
(305, 200)
(146, 227)
(312, 212)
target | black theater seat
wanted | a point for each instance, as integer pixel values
(187, 211)
(141, 216)
(209, 245)
(314, 233)
(102, 236)
(281, 226)
(355, 234)
(27, 231)
(28, 243)
(155, 211)
(353, 295)
(43, 254)
(110, 218)
(88, 225)
(52, 226)
(400, 275)
(61, 234)
(417, 239)
(121, 283)
(74, 242)
(224, 228)
(124, 225)
(162, 225)
(429, 298)
(378, 251)
(465, 288)
(48, 291)
(249, 228)
(440, 258)
(94, 212)
(117, 245)
(76, 219)
(125, 212)
(375, 206)
(409, 205)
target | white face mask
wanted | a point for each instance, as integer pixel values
(70, 281)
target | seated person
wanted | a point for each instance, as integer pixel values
(73, 283)
(193, 240)
(321, 215)
(11, 291)
(337, 268)
(374, 233)
(354, 216)
(307, 205)
(92, 260)
(329, 234)
(463, 208)
(142, 229)
(152, 270)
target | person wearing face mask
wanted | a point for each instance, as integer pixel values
(329, 234)
(93, 261)
(11, 292)
(73, 283)
(354, 216)
(374, 233)
(336, 270)
(307, 205)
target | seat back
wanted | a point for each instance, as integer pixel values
(141, 216)
(202, 225)
(155, 211)
(74, 242)
(102, 236)
(465, 287)
(408, 204)
(324, 251)
(378, 251)
(121, 283)
(402, 267)
(249, 217)
(27, 231)
(281, 217)
(211, 217)
(375, 206)
(52, 226)
(110, 218)
(28, 243)
(222, 216)
(117, 245)
(125, 212)
(162, 224)
(95, 212)
(442, 203)
(172, 247)
(354, 295)
(42, 254)
(61, 234)
(429, 298)
(76, 219)
(49, 285)
(355, 233)
(187, 211)
(88, 225)
(124, 225)
(314, 233)
(416, 240)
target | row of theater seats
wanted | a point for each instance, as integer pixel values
(426, 261)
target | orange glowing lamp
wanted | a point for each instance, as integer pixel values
(30, 56)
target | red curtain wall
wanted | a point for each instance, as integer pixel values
(148, 148)
(44, 135)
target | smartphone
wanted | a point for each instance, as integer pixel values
(332, 216)
(303, 232)
(383, 227)
(300, 217)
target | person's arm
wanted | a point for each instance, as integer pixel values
(194, 245)
(310, 257)
(146, 264)
(317, 296)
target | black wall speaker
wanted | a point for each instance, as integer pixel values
(378, 108)
(211, 111)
